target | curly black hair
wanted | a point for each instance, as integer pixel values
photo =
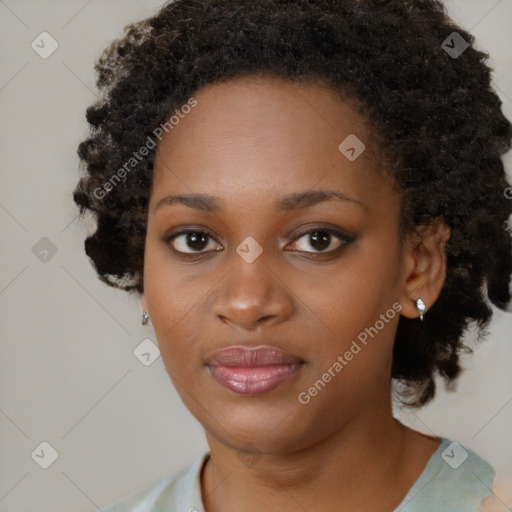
(441, 125)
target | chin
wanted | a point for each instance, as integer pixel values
(262, 433)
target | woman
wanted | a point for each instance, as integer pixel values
(310, 201)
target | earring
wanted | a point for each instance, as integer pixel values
(420, 307)
(145, 318)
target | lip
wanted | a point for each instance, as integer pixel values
(253, 370)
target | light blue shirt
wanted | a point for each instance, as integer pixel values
(455, 479)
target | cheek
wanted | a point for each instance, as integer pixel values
(349, 367)
(168, 294)
(171, 302)
(353, 297)
(177, 328)
(359, 312)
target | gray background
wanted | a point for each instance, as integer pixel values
(68, 374)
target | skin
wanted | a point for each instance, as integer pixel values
(250, 141)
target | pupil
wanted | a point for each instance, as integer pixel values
(197, 240)
(320, 242)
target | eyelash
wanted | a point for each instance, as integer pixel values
(344, 239)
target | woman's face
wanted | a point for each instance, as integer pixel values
(251, 275)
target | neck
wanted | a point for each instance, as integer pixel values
(367, 453)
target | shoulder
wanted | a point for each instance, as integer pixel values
(455, 479)
(178, 491)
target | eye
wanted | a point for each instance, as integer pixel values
(192, 239)
(195, 241)
(320, 239)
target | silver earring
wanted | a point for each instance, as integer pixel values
(420, 307)
(145, 318)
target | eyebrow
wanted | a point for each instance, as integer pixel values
(290, 202)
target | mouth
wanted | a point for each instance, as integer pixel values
(253, 371)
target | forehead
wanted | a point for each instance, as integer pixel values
(265, 133)
(249, 108)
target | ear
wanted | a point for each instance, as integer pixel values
(424, 266)
(143, 302)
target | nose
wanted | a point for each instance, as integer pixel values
(253, 294)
